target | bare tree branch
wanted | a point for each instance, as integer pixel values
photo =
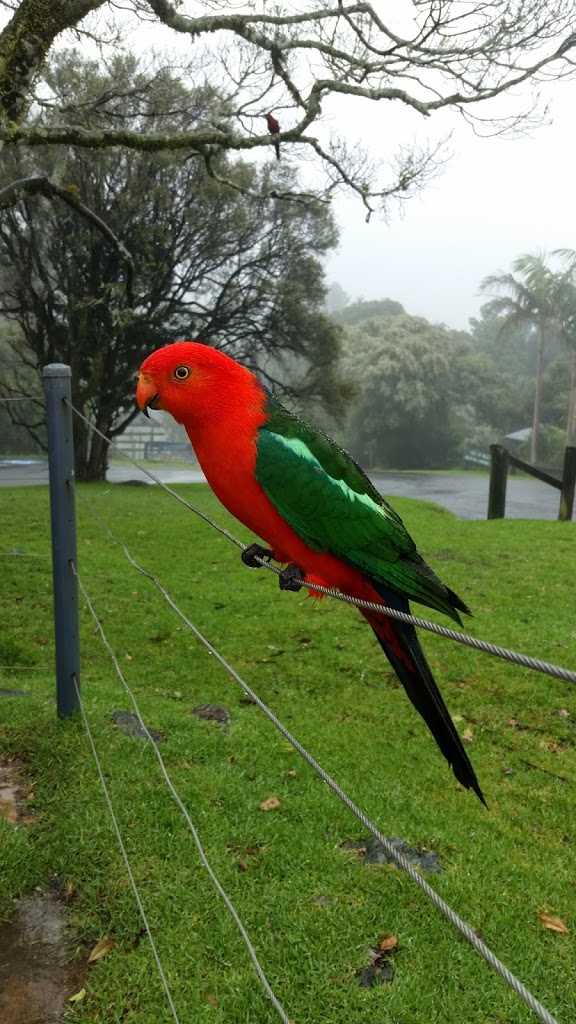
(446, 55)
(42, 185)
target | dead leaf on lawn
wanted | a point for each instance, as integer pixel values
(270, 804)
(513, 723)
(387, 942)
(468, 735)
(100, 950)
(78, 997)
(555, 924)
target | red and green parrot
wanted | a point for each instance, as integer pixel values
(312, 506)
(273, 128)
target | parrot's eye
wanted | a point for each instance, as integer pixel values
(182, 372)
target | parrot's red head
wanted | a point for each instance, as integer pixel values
(193, 382)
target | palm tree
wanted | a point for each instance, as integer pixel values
(568, 337)
(537, 298)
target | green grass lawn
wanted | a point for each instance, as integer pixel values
(312, 908)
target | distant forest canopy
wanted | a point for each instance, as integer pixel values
(425, 392)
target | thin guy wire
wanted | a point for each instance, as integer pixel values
(259, 970)
(23, 398)
(525, 660)
(461, 925)
(125, 854)
(155, 478)
(26, 668)
(21, 554)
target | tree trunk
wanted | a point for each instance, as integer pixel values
(98, 461)
(571, 418)
(90, 453)
(24, 43)
(537, 398)
(80, 448)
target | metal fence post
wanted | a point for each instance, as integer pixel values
(57, 379)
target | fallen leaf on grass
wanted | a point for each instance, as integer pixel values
(468, 735)
(380, 970)
(78, 997)
(270, 804)
(555, 924)
(100, 950)
(513, 723)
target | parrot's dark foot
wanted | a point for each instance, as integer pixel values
(254, 551)
(291, 578)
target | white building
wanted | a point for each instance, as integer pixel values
(151, 438)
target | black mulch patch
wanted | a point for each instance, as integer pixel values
(130, 725)
(212, 713)
(372, 852)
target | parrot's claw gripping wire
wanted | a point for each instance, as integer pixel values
(291, 578)
(253, 553)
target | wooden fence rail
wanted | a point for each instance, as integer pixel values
(501, 459)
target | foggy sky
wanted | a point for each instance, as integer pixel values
(496, 199)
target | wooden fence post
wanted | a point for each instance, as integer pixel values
(498, 481)
(568, 485)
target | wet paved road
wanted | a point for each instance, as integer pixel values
(466, 495)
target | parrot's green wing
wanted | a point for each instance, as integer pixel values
(331, 504)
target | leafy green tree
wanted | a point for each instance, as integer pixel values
(423, 393)
(336, 298)
(402, 416)
(22, 427)
(512, 348)
(211, 263)
(551, 449)
(556, 391)
(367, 309)
(479, 385)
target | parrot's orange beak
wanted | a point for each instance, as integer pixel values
(147, 394)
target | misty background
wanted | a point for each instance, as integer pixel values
(379, 332)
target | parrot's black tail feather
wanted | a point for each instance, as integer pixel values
(402, 648)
